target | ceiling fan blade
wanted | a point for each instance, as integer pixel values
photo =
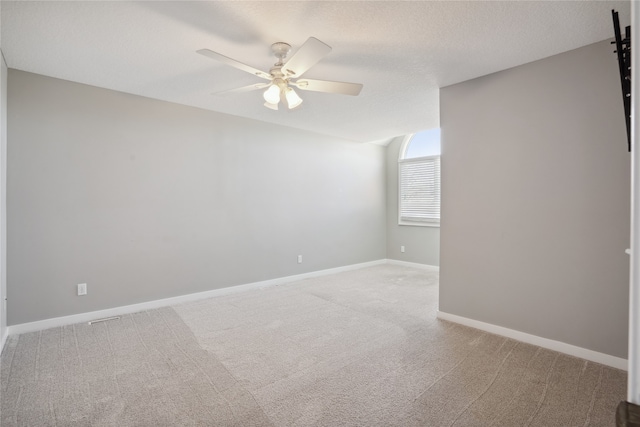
(312, 51)
(242, 89)
(239, 65)
(343, 88)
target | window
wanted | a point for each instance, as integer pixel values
(419, 179)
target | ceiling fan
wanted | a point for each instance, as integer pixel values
(283, 75)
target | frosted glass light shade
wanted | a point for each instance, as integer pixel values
(293, 100)
(272, 94)
(272, 106)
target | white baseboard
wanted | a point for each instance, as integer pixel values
(572, 350)
(3, 339)
(134, 308)
(413, 264)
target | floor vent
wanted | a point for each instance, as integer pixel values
(104, 320)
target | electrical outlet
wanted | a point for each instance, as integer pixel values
(82, 289)
(401, 248)
(299, 259)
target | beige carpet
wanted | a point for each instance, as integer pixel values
(360, 348)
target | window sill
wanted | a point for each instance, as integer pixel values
(420, 224)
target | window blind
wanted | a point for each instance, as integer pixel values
(420, 190)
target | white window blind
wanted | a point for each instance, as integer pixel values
(420, 189)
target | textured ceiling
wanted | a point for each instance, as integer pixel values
(401, 51)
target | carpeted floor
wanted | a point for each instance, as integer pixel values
(360, 348)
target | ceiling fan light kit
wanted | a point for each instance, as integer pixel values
(284, 75)
(292, 98)
(272, 94)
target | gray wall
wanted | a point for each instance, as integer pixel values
(3, 197)
(422, 244)
(535, 200)
(143, 199)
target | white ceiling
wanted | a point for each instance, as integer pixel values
(402, 51)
